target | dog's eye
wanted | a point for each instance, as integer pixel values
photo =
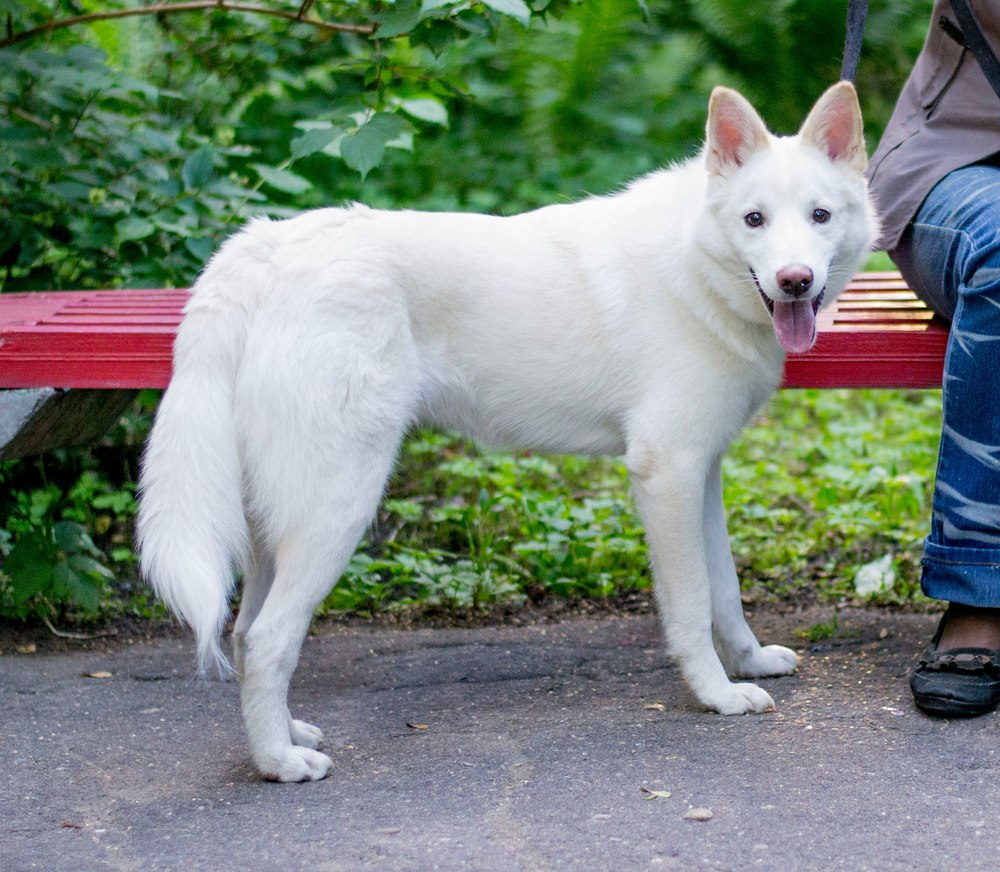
(754, 219)
(821, 216)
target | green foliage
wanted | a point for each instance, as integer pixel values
(820, 632)
(53, 564)
(848, 477)
(465, 528)
(129, 148)
(132, 147)
(66, 529)
(823, 482)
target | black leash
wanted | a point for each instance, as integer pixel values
(976, 42)
(971, 37)
(857, 12)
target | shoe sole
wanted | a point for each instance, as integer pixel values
(951, 708)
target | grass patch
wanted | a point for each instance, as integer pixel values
(823, 483)
(829, 480)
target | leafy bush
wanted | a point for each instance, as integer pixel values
(133, 146)
(55, 563)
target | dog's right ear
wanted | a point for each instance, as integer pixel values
(734, 132)
(834, 126)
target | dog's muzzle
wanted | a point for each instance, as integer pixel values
(794, 321)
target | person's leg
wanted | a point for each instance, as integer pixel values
(951, 258)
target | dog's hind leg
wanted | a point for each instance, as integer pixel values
(308, 560)
(322, 403)
(257, 581)
(741, 653)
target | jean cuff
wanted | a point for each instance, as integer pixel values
(970, 576)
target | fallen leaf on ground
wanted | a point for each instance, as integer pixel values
(875, 577)
(654, 794)
(97, 675)
(417, 726)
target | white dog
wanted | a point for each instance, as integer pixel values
(651, 323)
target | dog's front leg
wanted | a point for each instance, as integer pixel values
(670, 491)
(741, 653)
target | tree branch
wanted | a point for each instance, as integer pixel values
(300, 17)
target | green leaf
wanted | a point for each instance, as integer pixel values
(62, 582)
(364, 149)
(283, 180)
(201, 249)
(426, 109)
(198, 168)
(72, 537)
(88, 566)
(515, 8)
(400, 18)
(134, 228)
(80, 585)
(312, 141)
(29, 567)
(407, 510)
(120, 502)
(70, 190)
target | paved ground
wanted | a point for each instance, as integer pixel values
(539, 741)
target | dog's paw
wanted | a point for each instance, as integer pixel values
(297, 764)
(767, 661)
(305, 735)
(740, 699)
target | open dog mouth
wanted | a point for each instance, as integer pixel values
(794, 322)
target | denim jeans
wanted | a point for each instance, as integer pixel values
(950, 256)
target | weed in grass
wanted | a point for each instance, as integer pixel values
(819, 632)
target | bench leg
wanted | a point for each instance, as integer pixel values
(35, 420)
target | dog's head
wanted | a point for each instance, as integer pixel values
(793, 212)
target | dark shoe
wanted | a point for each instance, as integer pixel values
(958, 683)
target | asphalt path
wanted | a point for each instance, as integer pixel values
(498, 748)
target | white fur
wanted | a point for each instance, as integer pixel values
(622, 324)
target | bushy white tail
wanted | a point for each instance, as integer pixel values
(191, 528)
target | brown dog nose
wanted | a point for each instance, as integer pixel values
(795, 279)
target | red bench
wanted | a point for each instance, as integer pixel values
(107, 344)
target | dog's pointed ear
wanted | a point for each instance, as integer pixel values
(734, 132)
(834, 126)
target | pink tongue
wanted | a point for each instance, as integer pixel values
(795, 325)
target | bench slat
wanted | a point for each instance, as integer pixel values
(88, 339)
(877, 334)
